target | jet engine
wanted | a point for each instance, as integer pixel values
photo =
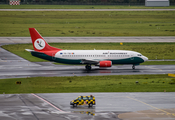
(105, 64)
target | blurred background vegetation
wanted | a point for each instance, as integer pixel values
(84, 2)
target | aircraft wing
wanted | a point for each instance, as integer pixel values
(86, 61)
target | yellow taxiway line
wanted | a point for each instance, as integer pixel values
(167, 113)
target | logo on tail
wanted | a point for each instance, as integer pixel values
(39, 44)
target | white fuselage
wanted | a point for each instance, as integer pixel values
(98, 55)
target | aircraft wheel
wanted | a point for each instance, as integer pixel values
(74, 105)
(133, 67)
(88, 67)
(90, 105)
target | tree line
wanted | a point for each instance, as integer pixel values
(84, 2)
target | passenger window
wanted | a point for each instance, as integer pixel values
(139, 55)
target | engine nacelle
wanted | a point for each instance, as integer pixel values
(105, 64)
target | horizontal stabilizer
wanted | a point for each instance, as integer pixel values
(29, 50)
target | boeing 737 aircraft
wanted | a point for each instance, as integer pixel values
(101, 58)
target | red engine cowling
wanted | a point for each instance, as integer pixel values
(105, 64)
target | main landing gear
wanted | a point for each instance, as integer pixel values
(133, 67)
(88, 67)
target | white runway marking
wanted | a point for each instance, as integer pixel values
(151, 106)
(48, 102)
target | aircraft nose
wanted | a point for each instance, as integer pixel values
(145, 58)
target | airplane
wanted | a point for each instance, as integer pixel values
(101, 58)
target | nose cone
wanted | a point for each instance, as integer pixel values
(145, 58)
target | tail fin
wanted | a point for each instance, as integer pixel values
(39, 44)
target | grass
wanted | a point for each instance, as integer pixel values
(151, 50)
(120, 83)
(88, 23)
(80, 7)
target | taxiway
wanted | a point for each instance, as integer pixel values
(87, 9)
(20, 40)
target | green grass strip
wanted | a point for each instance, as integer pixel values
(117, 83)
(88, 23)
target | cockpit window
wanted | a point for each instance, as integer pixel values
(139, 54)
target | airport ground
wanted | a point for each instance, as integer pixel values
(23, 68)
(62, 9)
(119, 106)
(109, 106)
(87, 7)
(87, 23)
(113, 106)
(158, 51)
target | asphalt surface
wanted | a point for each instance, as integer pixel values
(109, 106)
(87, 9)
(15, 40)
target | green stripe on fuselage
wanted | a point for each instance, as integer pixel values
(133, 60)
(59, 60)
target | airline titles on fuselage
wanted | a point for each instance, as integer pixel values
(114, 53)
